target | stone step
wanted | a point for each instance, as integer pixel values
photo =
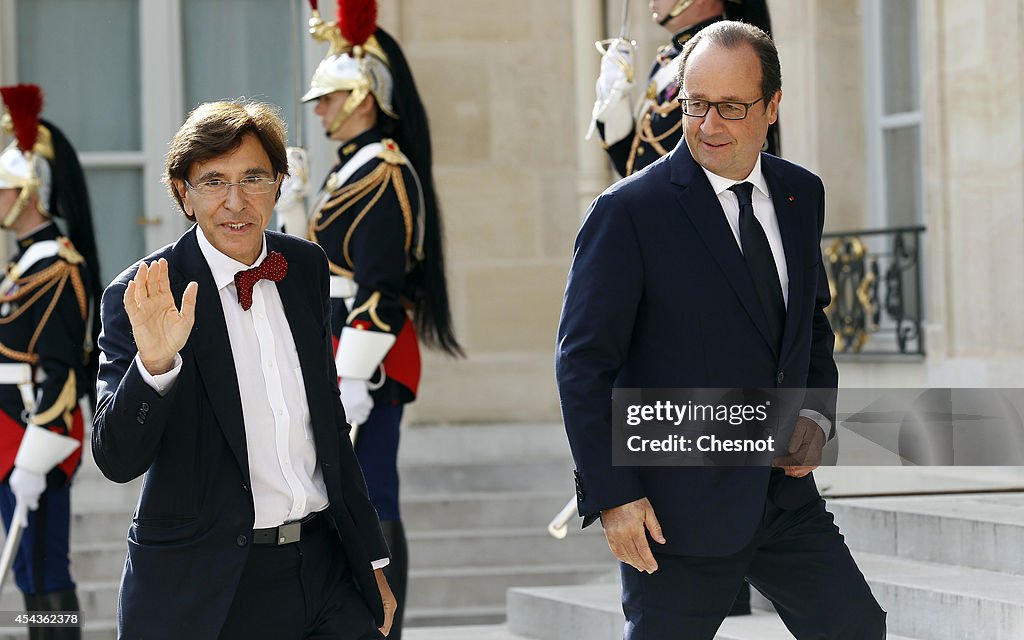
(98, 600)
(454, 616)
(498, 547)
(595, 613)
(486, 586)
(103, 561)
(983, 531)
(92, 492)
(99, 525)
(457, 444)
(944, 602)
(468, 632)
(486, 509)
(501, 475)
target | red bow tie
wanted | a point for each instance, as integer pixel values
(273, 268)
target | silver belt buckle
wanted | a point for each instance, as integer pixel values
(289, 533)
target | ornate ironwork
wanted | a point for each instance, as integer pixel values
(875, 279)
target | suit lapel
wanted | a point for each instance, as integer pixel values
(211, 348)
(787, 213)
(702, 207)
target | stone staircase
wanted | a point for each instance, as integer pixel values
(476, 503)
(944, 567)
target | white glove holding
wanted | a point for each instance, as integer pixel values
(291, 206)
(616, 70)
(26, 486)
(614, 88)
(356, 398)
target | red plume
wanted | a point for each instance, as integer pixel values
(312, 4)
(357, 20)
(24, 103)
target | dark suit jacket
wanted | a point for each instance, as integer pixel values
(190, 536)
(659, 297)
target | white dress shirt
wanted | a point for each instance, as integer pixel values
(287, 483)
(764, 211)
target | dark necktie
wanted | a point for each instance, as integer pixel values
(273, 268)
(760, 262)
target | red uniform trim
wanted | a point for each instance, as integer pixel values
(12, 431)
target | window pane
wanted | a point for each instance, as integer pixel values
(116, 196)
(899, 55)
(237, 48)
(903, 175)
(91, 83)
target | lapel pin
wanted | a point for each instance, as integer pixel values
(792, 198)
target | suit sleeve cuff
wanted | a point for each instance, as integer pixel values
(380, 564)
(822, 421)
(161, 382)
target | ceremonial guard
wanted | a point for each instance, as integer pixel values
(377, 218)
(47, 313)
(634, 138)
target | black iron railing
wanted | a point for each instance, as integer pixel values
(875, 277)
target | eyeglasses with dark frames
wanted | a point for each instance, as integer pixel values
(729, 109)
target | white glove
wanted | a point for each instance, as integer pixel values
(291, 206)
(616, 70)
(613, 88)
(26, 486)
(356, 398)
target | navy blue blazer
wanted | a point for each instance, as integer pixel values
(190, 535)
(659, 296)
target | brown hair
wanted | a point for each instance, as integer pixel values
(731, 34)
(216, 128)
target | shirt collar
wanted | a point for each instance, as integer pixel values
(756, 178)
(224, 267)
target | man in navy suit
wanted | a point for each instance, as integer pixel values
(217, 382)
(704, 271)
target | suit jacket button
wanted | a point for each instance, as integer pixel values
(242, 541)
(245, 488)
(779, 378)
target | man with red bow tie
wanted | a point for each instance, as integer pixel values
(217, 382)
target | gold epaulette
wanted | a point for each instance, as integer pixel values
(391, 154)
(67, 251)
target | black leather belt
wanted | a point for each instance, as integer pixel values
(290, 532)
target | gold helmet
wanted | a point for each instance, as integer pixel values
(23, 164)
(355, 61)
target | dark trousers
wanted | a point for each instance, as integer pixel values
(377, 451)
(299, 591)
(41, 564)
(797, 559)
